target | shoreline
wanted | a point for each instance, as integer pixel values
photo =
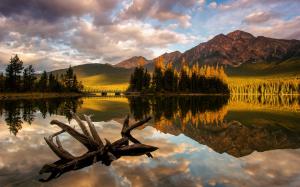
(39, 95)
(173, 94)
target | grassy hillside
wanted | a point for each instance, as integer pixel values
(101, 76)
(285, 69)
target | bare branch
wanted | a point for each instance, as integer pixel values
(93, 130)
(97, 151)
(133, 140)
(88, 143)
(60, 147)
(57, 151)
(125, 124)
(136, 150)
(140, 123)
(81, 124)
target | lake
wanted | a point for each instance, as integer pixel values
(203, 141)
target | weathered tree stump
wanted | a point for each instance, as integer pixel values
(97, 150)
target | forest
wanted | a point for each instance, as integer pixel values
(207, 80)
(18, 78)
(167, 79)
(265, 87)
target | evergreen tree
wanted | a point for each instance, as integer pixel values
(184, 81)
(146, 80)
(70, 81)
(54, 84)
(28, 78)
(13, 74)
(157, 81)
(68, 78)
(168, 78)
(43, 82)
(2, 82)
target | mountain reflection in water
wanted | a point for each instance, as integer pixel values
(204, 120)
(258, 136)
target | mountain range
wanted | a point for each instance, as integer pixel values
(233, 49)
(240, 52)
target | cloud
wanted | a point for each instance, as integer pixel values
(213, 5)
(242, 4)
(56, 9)
(61, 33)
(123, 40)
(159, 10)
(285, 29)
(259, 17)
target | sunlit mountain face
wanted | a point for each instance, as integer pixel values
(54, 35)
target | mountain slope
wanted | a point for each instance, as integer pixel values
(234, 49)
(133, 62)
(240, 47)
(286, 68)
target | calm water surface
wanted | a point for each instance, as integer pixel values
(203, 141)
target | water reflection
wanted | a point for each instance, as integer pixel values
(202, 141)
(97, 150)
(17, 111)
(172, 107)
(204, 119)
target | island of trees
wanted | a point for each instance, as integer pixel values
(18, 78)
(167, 79)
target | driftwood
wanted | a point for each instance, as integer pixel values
(97, 150)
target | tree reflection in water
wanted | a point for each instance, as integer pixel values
(23, 110)
(204, 119)
(171, 107)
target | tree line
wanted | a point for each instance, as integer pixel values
(18, 78)
(165, 78)
(266, 87)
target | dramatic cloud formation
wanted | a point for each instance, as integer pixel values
(55, 34)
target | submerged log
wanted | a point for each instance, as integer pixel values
(97, 150)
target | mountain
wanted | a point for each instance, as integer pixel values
(132, 62)
(136, 60)
(237, 139)
(234, 49)
(240, 47)
(169, 57)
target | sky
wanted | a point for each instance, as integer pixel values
(58, 33)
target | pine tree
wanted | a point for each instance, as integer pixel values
(28, 78)
(54, 85)
(70, 81)
(68, 78)
(168, 78)
(157, 81)
(13, 74)
(146, 80)
(2, 82)
(43, 82)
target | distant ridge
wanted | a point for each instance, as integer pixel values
(132, 62)
(235, 48)
(136, 60)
